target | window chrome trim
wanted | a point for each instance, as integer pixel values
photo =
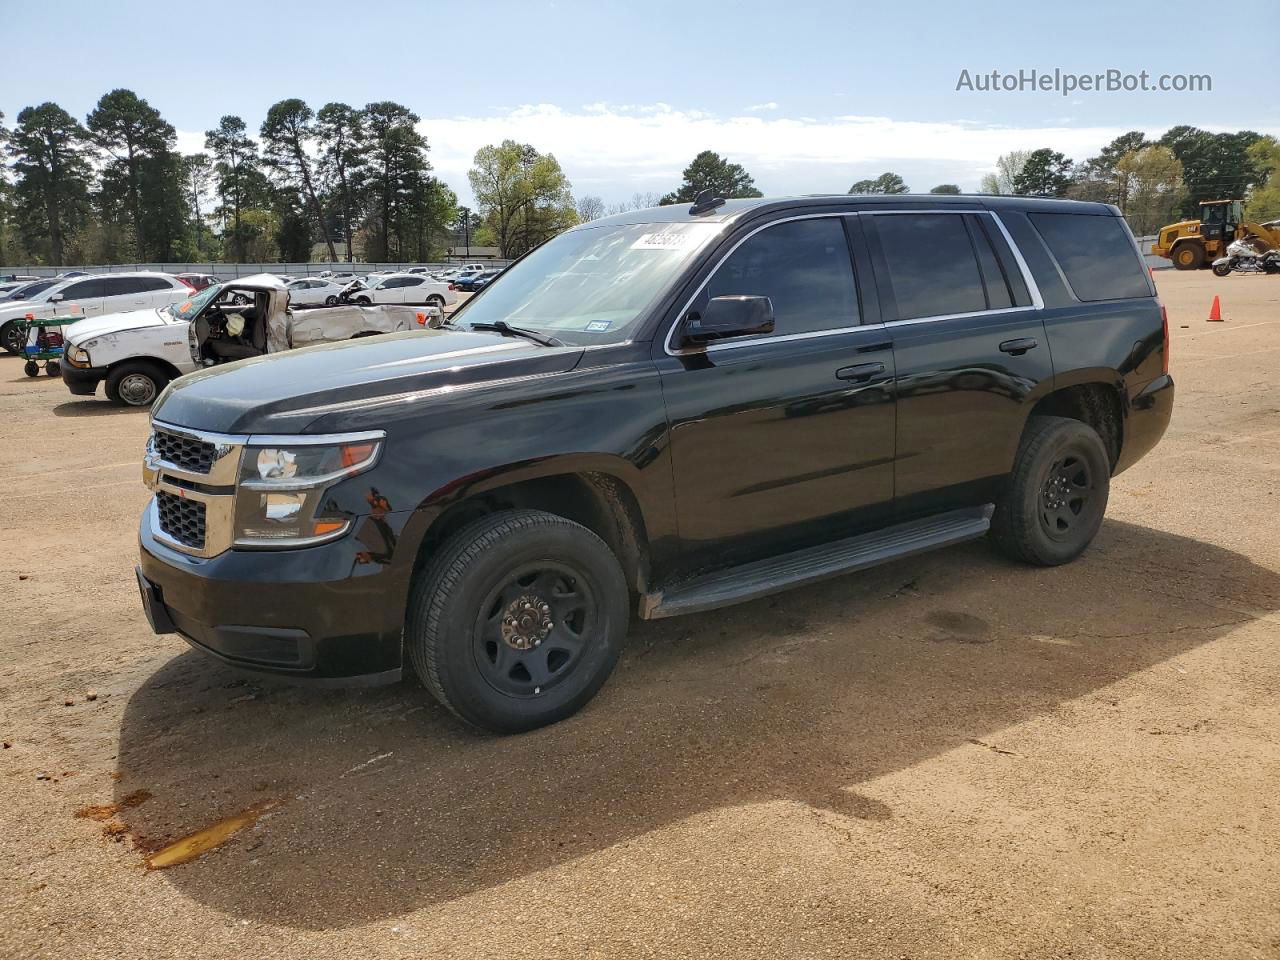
(729, 344)
(1033, 289)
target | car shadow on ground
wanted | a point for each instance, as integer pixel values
(94, 408)
(387, 804)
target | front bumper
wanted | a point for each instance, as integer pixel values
(331, 614)
(82, 381)
(1148, 418)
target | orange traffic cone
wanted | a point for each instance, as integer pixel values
(1215, 312)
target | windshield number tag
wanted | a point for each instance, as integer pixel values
(670, 240)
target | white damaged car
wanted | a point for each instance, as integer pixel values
(136, 354)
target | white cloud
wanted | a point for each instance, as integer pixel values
(616, 150)
(762, 107)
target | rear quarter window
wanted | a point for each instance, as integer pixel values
(1096, 255)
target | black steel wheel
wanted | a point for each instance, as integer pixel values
(53, 368)
(1057, 495)
(31, 368)
(518, 621)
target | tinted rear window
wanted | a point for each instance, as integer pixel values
(1095, 253)
(932, 266)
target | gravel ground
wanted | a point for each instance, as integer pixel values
(948, 756)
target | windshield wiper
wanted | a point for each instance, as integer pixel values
(501, 326)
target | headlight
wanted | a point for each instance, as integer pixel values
(280, 496)
(77, 357)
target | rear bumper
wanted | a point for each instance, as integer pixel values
(325, 615)
(83, 382)
(1149, 413)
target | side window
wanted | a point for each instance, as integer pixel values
(1095, 253)
(994, 281)
(122, 286)
(931, 263)
(152, 284)
(411, 282)
(84, 290)
(803, 267)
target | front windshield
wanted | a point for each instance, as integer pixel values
(187, 309)
(591, 285)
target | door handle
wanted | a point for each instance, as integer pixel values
(1018, 347)
(859, 371)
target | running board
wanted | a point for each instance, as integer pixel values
(765, 577)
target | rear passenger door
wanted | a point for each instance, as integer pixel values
(970, 348)
(125, 293)
(160, 292)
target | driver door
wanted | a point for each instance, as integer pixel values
(784, 439)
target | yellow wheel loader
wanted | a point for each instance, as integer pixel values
(1192, 244)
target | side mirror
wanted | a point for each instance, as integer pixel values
(735, 316)
(56, 298)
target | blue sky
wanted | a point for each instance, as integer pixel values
(809, 96)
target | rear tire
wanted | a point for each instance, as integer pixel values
(330, 301)
(435, 300)
(518, 620)
(1057, 494)
(135, 384)
(1188, 256)
(364, 301)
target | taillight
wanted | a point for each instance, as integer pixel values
(1164, 317)
(189, 285)
(453, 286)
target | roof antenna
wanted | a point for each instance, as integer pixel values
(705, 202)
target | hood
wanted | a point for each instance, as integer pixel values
(285, 392)
(83, 330)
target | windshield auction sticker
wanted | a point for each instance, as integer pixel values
(669, 240)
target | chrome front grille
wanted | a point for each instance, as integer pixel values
(193, 474)
(187, 453)
(182, 519)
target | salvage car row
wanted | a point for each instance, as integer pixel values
(135, 332)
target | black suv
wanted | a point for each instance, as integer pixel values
(656, 413)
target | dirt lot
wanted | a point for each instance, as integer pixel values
(951, 756)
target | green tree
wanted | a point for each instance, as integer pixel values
(287, 135)
(340, 132)
(1008, 166)
(291, 229)
(523, 195)
(238, 177)
(142, 175)
(886, 183)
(1152, 179)
(710, 171)
(1046, 173)
(1215, 166)
(398, 165)
(1098, 179)
(198, 170)
(1264, 201)
(947, 188)
(51, 195)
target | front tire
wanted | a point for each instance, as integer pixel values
(135, 384)
(11, 337)
(1057, 494)
(518, 621)
(1221, 269)
(1188, 256)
